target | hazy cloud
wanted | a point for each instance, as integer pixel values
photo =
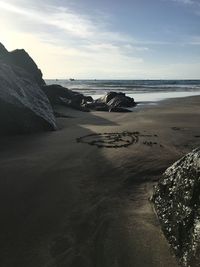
(65, 35)
(66, 42)
(186, 2)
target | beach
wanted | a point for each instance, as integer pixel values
(69, 203)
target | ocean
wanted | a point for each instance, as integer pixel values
(144, 91)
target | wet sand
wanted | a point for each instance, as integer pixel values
(69, 203)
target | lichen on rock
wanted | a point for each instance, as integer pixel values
(177, 203)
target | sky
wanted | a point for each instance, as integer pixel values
(106, 39)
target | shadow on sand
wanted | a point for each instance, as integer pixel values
(64, 203)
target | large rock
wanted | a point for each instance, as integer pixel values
(107, 97)
(55, 91)
(117, 102)
(177, 202)
(3, 51)
(60, 95)
(21, 58)
(23, 105)
(114, 102)
(120, 102)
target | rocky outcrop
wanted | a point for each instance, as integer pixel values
(3, 51)
(54, 92)
(114, 102)
(177, 203)
(106, 98)
(21, 58)
(59, 95)
(120, 101)
(23, 105)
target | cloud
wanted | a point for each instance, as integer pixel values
(58, 17)
(62, 20)
(64, 42)
(186, 2)
(68, 43)
(194, 40)
(192, 3)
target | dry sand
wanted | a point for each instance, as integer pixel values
(73, 204)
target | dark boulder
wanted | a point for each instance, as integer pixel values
(21, 58)
(54, 92)
(59, 95)
(121, 101)
(3, 51)
(88, 99)
(116, 99)
(23, 105)
(177, 203)
(70, 103)
(115, 102)
(108, 97)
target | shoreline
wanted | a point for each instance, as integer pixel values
(155, 97)
(164, 101)
(141, 90)
(74, 204)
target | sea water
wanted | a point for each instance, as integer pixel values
(144, 91)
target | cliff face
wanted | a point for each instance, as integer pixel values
(23, 105)
(177, 202)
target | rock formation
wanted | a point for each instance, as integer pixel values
(177, 203)
(107, 97)
(3, 51)
(116, 102)
(59, 95)
(23, 105)
(21, 58)
(120, 102)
